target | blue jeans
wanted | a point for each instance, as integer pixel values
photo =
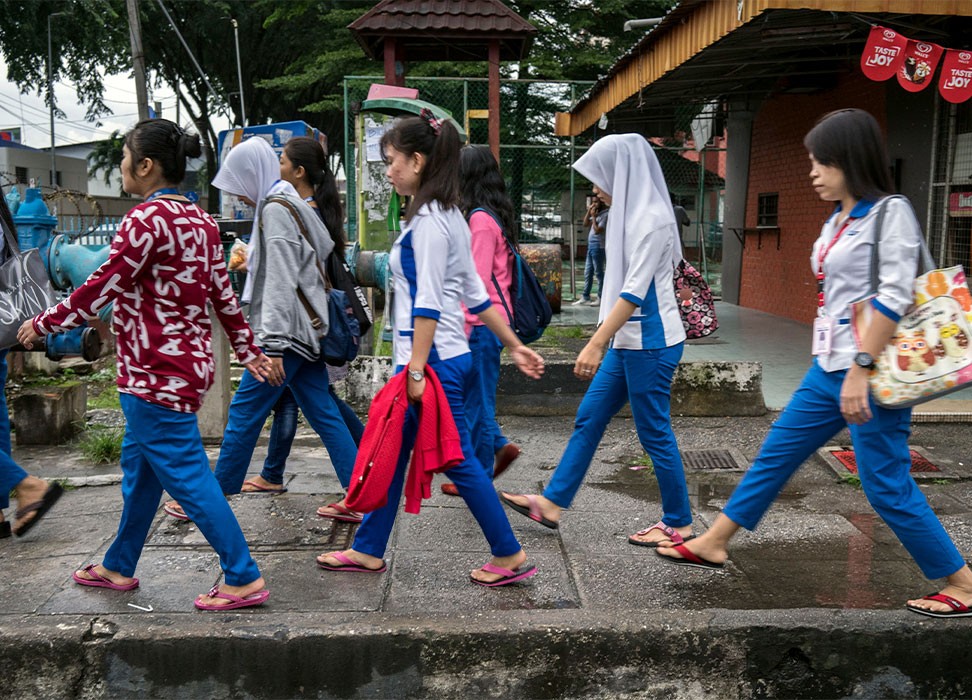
(593, 266)
(10, 472)
(643, 377)
(284, 428)
(883, 461)
(162, 449)
(251, 405)
(469, 477)
(480, 403)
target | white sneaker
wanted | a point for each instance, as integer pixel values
(594, 302)
(578, 302)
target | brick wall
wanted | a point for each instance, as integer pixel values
(780, 281)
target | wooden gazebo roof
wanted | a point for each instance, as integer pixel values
(444, 30)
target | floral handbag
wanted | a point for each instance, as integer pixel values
(695, 302)
(930, 354)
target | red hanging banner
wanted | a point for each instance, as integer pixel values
(920, 61)
(955, 84)
(883, 53)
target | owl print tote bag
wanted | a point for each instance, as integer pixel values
(930, 354)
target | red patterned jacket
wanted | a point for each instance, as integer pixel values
(166, 263)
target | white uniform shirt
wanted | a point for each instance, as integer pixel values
(847, 270)
(433, 274)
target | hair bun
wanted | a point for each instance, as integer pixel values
(191, 145)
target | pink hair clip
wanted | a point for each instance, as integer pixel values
(431, 120)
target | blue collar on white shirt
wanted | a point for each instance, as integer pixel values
(860, 209)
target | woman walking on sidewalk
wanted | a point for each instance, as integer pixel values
(283, 273)
(165, 267)
(303, 164)
(849, 165)
(640, 339)
(489, 211)
(434, 275)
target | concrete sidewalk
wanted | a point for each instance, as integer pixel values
(811, 604)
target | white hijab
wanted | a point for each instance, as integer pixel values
(626, 167)
(252, 169)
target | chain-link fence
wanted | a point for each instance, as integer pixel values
(950, 199)
(549, 197)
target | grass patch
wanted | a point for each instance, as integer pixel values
(644, 463)
(577, 332)
(850, 479)
(105, 398)
(102, 445)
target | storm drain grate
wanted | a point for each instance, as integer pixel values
(710, 460)
(919, 463)
(341, 535)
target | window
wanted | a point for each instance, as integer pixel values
(767, 210)
(21, 175)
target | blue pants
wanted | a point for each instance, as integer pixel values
(162, 449)
(10, 472)
(643, 377)
(251, 405)
(469, 477)
(480, 406)
(593, 266)
(883, 462)
(284, 428)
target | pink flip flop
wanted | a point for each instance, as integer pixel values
(344, 515)
(689, 558)
(670, 532)
(532, 512)
(509, 575)
(349, 564)
(99, 581)
(235, 601)
(175, 512)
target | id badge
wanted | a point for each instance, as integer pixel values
(823, 334)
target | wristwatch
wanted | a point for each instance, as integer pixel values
(864, 359)
(416, 375)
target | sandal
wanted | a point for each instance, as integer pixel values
(532, 511)
(38, 508)
(99, 581)
(343, 514)
(235, 601)
(508, 575)
(672, 534)
(348, 564)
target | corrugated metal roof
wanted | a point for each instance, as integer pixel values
(413, 23)
(692, 28)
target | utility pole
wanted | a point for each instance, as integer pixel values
(138, 57)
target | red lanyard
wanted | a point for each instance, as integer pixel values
(823, 255)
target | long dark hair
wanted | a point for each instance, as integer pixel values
(482, 186)
(309, 154)
(850, 139)
(166, 143)
(439, 180)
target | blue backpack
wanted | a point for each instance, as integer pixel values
(528, 307)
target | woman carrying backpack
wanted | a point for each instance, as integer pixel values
(303, 164)
(284, 265)
(489, 211)
(434, 275)
(634, 352)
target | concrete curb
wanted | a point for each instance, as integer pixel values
(528, 654)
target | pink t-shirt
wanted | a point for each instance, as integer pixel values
(492, 258)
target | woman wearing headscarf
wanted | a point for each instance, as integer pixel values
(283, 264)
(638, 344)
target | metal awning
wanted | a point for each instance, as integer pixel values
(716, 49)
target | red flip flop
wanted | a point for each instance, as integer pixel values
(690, 559)
(958, 608)
(235, 601)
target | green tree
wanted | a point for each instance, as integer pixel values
(106, 156)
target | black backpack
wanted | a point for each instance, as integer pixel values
(528, 308)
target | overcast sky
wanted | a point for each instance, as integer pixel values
(30, 112)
